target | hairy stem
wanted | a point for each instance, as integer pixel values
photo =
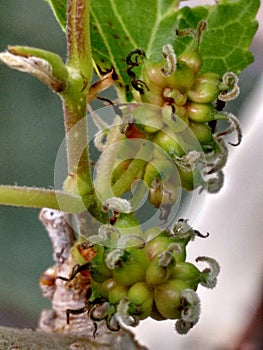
(79, 65)
(39, 198)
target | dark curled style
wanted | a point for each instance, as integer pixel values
(132, 61)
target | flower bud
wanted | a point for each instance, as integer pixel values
(132, 267)
(169, 143)
(200, 112)
(157, 274)
(128, 224)
(205, 88)
(188, 273)
(153, 95)
(140, 296)
(152, 74)
(182, 78)
(116, 293)
(148, 117)
(193, 59)
(176, 96)
(167, 298)
(158, 169)
(157, 245)
(163, 194)
(202, 132)
(104, 288)
(190, 180)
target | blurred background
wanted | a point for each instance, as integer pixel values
(31, 132)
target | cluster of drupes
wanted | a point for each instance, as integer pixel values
(177, 107)
(135, 274)
(142, 275)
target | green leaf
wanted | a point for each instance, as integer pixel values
(231, 28)
(117, 27)
(121, 26)
(59, 8)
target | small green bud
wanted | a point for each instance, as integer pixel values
(163, 194)
(200, 112)
(131, 268)
(169, 143)
(153, 74)
(187, 272)
(205, 88)
(193, 59)
(157, 169)
(167, 298)
(116, 293)
(153, 96)
(202, 132)
(128, 224)
(177, 96)
(106, 286)
(183, 77)
(157, 274)
(191, 55)
(141, 300)
(190, 180)
(139, 293)
(148, 117)
(156, 246)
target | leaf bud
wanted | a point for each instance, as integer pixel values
(46, 66)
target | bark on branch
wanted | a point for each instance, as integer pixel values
(26, 339)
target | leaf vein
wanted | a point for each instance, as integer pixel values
(111, 56)
(124, 27)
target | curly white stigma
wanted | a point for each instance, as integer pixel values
(209, 275)
(229, 79)
(123, 313)
(171, 60)
(190, 313)
(117, 205)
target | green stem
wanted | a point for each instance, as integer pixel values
(136, 166)
(105, 165)
(39, 198)
(79, 65)
(78, 38)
